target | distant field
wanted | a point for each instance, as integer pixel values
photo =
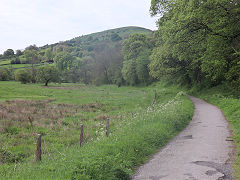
(57, 113)
(19, 66)
(15, 65)
(5, 62)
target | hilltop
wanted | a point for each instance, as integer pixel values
(82, 45)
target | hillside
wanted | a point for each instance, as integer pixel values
(94, 58)
(82, 45)
(90, 41)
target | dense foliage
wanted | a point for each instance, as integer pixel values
(136, 51)
(47, 74)
(23, 76)
(5, 74)
(198, 42)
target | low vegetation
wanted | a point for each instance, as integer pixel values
(137, 129)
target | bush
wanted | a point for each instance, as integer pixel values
(23, 76)
(16, 61)
(5, 74)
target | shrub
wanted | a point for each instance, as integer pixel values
(23, 76)
(5, 74)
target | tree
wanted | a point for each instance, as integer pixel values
(129, 72)
(86, 69)
(74, 74)
(46, 74)
(23, 76)
(5, 74)
(19, 53)
(32, 56)
(108, 64)
(16, 60)
(115, 37)
(198, 41)
(136, 51)
(142, 70)
(49, 55)
(9, 53)
(64, 61)
(32, 47)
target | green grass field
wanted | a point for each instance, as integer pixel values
(137, 129)
(16, 66)
(5, 62)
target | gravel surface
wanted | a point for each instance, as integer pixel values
(200, 152)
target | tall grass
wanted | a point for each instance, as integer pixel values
(134, 138)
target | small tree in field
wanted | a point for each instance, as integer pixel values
(47, 74)
(23, 76)
(5, 74)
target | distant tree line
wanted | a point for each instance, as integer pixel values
(111, 61)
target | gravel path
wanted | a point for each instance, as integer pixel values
(200, 152)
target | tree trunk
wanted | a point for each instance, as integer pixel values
(46, 83)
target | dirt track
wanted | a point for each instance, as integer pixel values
(200, 152)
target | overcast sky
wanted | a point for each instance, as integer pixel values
(40, 22)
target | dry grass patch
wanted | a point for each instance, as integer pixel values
(24, 113)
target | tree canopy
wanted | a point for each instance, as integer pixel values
(46, 74)
(136, 51)
(8, 53)
(198, 41)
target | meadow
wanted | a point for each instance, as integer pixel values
(138, 128)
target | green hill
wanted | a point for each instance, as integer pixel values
(95, 42)
(79, 47)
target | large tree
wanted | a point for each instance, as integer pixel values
(108, 65)
(49, 54)
(19, 52)
(136, 51)
(198, 41)
(64, 61)
(32, 56)
(9, 53)
(46, 74)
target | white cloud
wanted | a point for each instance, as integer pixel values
(25, 22)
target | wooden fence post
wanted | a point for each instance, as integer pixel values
(39, 148)
(107, 127)
(155, 97)
(81, 135)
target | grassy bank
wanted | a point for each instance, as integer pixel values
(230, 105)
(137, 129)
